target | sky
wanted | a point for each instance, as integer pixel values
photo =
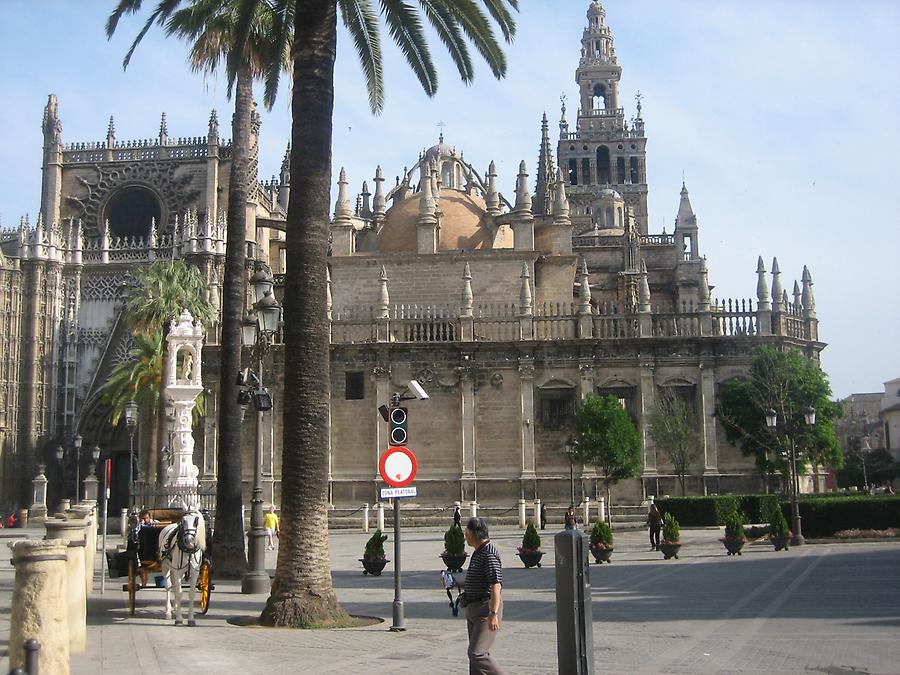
(781, 116)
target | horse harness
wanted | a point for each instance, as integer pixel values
(177, 538)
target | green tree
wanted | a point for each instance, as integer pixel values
(673, 427)
(788, 383)
(256, 47)
(303, 592)
(608, 440)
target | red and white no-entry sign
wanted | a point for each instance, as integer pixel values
(398, 466)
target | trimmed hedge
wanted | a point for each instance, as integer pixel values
(699, 511)
(759, 508)
(823, 516)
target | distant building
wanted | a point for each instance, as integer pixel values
(889, 414)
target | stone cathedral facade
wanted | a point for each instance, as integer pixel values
(509, 298)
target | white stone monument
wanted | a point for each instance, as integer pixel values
(183, 384)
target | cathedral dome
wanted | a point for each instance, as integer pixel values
(464, 223)
(440, 150)
(609, 193)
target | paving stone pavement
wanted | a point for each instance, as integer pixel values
(821, 608)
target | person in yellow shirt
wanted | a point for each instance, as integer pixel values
(270, 522)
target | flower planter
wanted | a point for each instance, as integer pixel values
(733, 546)
(669, 549)
(373, 566)
(531, 558)
(454, 561)
(780, 543)
(602, 555)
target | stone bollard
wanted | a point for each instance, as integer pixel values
(86, 512)
(38, 510)
(39, 604)
(537, 513)
(522, 523)
(72, 532)
(379, 511)
(91, 489)
(123, 524)
(22, 520)
(365, 522)
(64, 505)
(473, 509)
(602, 509)
(587, 512)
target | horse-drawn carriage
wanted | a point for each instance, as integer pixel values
(174, 547)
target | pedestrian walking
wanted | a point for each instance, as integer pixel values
(270, 523)
(482, 599)
(543, 515)
(654, 522)
(571, 521)
(456, 517)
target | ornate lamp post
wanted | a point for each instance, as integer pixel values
(809, 417)
(131, 420)
(571, 449)
(257, 330)
(76, 460)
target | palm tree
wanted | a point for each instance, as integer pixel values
(302, 593)
(211, 26)
(162, 291)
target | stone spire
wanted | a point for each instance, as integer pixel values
(426, 225)
(685, 216)
(704, 286)
(644, 293)
(384, 299)
(111, 133)
(163, 131)
(378, 201)
(777, 291)
(560, 201)
(762, 287)
(467, 296)
(525, 304)
(52, 127)
(365, 209)
(426, 200)
(284, 182)
(342, 209)
(563, 122)
(492, 198)
(546, 174)
(584, 290)
(809, 300)
(212, 136)
(798, 305)
(523, 196)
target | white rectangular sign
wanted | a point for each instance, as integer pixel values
(398, 493)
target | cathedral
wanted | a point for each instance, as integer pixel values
(509, 298)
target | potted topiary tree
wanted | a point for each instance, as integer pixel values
(373, 559)
(734, 533)
(530, 551)
(601, 541)
(454, 555)
(779, 534)
(671, 541)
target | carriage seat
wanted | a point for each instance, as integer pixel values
(166, 516)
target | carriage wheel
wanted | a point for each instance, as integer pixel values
(204, 584)
(132, 586)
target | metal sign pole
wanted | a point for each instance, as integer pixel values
(399, 623)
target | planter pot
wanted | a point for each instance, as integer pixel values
(531, 558)
(733, 546)
(454, 561)
(780, 543)
(669, 550)
(601, 555)
(373, 567)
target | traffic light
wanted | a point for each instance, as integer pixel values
(397, 419)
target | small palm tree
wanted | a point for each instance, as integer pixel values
(257, 45)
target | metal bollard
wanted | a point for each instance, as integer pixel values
(31, 656)
(365, 518)
(574, 626)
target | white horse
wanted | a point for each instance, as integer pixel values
(181, 547)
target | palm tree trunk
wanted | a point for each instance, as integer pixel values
(231, 559)
(302, 593)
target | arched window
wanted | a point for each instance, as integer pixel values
(609, 217)
(598, 100)
(603, 168)
(620, 170)
(635, 171)
(573, 172)
(585, 171)
(131, 211)
(619, 221)
(447, 174)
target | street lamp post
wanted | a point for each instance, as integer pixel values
(77, 444)
(809, 417)
(61, 456)
(257, 330)
(131, 420)
(571, 448)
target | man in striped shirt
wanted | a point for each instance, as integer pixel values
(484, 606)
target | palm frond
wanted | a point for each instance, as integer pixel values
(475, 24)
(449, 33)
(277, 57)
(245, 12)
(361, 21)
(406, 30)
(502, 16)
